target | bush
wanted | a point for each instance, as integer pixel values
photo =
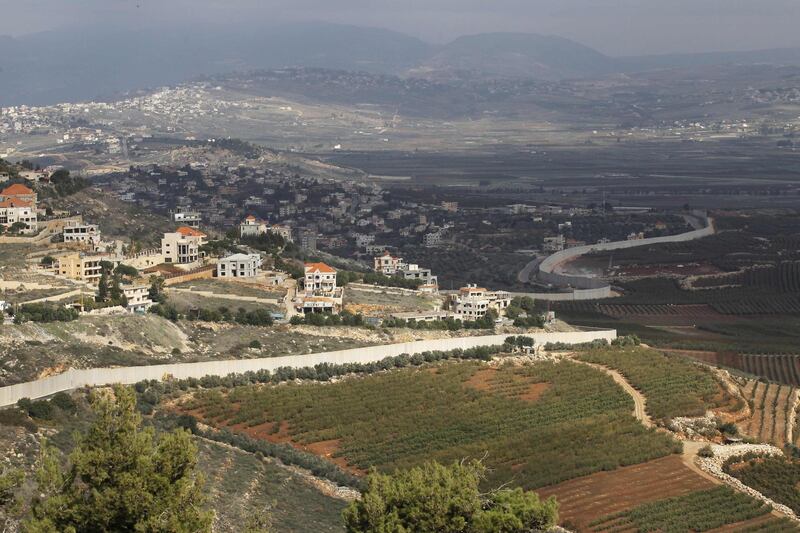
(44, 312)
(255, 344)
(706, 451)
(64, 402)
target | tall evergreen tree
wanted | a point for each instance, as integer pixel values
(121, 477)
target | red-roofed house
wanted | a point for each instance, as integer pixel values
(18, 205)
(18, 192)
(187, 231)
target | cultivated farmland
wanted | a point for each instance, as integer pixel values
(672, 385)
(526, 419)
(589, 498)
(772, 406)
(776, 477)
(696, 511)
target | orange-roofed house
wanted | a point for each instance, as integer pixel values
(320, 293)
(387, 264)
(18, 192)
(18, 211)
(187, 231)
(320, 278)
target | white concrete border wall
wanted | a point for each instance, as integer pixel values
(73, 379)
(573, 295)
(547, 267)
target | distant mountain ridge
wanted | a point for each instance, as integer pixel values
(521, 55)
(86, 64)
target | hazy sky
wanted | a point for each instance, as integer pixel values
(616, 27)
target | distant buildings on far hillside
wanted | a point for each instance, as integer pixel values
(253, 227)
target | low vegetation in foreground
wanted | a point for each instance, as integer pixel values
(673, 386)
(527, 420)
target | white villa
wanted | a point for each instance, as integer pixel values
(182, 247)
(320, 292)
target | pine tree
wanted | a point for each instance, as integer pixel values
(445, 499)
(121, 477)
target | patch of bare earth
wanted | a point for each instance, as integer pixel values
(534, 392)
(588, 498)
(482, 379)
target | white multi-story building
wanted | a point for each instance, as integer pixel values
(80, 232)
(431, 240)
(183, 246)
(319, 278)
(473, 302)
(239, 266)
(138, 297)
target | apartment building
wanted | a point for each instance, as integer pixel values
(84, 267)
(138, 297)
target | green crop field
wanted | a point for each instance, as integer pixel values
(776, 477)
(672, 385)
(697, 511)
(537, 424)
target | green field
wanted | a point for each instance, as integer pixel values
(537, 424)
(697, 511)
(776, 477)
(672, 385)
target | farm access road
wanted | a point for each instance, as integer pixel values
(690, 447)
